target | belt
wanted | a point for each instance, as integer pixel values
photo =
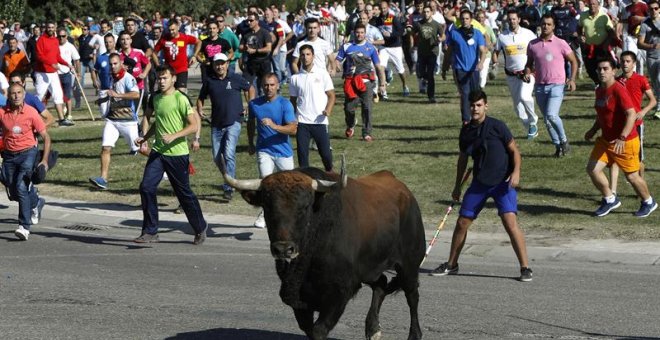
(514, 74)
(14, 153)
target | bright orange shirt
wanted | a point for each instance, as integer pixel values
(17, 61)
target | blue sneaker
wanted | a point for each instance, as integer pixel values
(99, 182)
(406, 92)
(533, 131)
(646, 209)
(605, 207)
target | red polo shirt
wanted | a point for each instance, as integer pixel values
(18, 128)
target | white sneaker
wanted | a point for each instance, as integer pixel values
(261, 221)
(165, 178)
(36, 211)
(22, 233)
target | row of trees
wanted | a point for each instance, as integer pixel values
(34, 11)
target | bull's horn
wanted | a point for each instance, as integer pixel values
(343, 173)
(247, 184)
(322, 185)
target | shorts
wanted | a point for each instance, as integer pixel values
(268, 164)
(394, 53)
(127, 129)
(505, 197)
(67, 85)
(49, 82)
(181, 80)
(628, 161)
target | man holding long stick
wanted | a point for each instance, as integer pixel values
(496, 174)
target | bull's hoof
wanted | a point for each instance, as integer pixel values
(375, 336)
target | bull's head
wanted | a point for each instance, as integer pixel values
(289, 199)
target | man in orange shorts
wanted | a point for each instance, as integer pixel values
(618, 143)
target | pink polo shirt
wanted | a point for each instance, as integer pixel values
(18, 129)
(549, 57)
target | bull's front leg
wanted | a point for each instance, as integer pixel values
(328, 318)
(305, 318)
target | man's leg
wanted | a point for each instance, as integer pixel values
(153, 174)
(366, 102)
(322, 139)
(639, 184)
(105, 161)
(517, 237)
(302, 140)
(176, 168)
(17, 169)
(349, 115)
(458, 240)
(595, 171)
(229, 143)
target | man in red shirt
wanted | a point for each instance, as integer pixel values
(632, 17)
(637, 86)
(48, 60)
(619, 142)
(175, 51)
(19, 123)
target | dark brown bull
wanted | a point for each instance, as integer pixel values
(330, 234)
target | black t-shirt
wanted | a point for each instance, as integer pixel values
(487, 144)
(212, 47)
(140, 42)
(256, 40)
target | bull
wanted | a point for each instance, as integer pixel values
(329, 234)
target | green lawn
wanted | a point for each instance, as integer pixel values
(417, 142)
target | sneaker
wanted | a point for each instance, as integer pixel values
(147, 238)
(432, 100)
(646, 209)
(165, 178)
(406, 92)
(558, 152)
(376, 98)
(261, 221)
(368, 139)
(656, 115)
(565, 148)
(227, 195)
(36, 211)
(384, 96)
(605, 207)
(349, 132)
(444, 269)
(22, 233)
(69, 117)
(99, 182)
(533, 131)
(312, 145)
(65, 122)
(525, 274)
(201, 237)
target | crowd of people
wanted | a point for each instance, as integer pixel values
(141, 63)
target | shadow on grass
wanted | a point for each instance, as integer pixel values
(429, 153)
(77, 156)
(544, 209)
(236, 334)
(410, 127)
(77, 140)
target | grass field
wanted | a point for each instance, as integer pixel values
(417, 142)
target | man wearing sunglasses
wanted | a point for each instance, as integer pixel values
(66, 73)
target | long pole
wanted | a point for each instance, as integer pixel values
(82, 90)
(444, 219)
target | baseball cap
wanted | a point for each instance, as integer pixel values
(220, 57)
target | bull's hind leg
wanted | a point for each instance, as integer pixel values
(410, 285)
(305, 318)
(372, 323)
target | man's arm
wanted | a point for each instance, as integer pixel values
(251, 128)
(47, 117)
(192, 126)
(512, 148)
(294, 102)
(290, 128)
(445, 61)
(574, 71)
(331, 102)
(129, 95)
(46, 152)
(294, 66)
(461, 166)
(198, 48)
(649, 106)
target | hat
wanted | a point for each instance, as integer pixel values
(90, 19)
(220, 57)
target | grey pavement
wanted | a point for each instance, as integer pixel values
(79, 276)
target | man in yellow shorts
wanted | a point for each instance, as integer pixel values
(618, 143)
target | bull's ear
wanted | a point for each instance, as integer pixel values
(252, 196)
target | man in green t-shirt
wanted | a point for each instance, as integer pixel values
(174, 120)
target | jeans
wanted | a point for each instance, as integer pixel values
(84, 68)
(223, 142)
(466, 82)
(176, 168)
(654, 75)
(254, 72)
(319, 134)
(426, 71)
(17, 171)
(279, 66)
(268, 164)
(365, 99)
(549, 98)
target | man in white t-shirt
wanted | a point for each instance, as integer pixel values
(313, 97)
(323, 50)
(70, 54)
(120, 118)
(513, 43)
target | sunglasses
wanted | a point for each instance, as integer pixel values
(62, 36)
(250, 20)
(220, 21)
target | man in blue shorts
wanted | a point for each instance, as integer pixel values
(496, 174)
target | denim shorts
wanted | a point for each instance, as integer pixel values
(505, 197)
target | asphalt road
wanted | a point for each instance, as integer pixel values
(80, 277)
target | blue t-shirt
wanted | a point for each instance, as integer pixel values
(465, 48)
(358, 59)
(280, 111)
(226, 102)
(102, 67)
(34, 101)
(487, 144)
